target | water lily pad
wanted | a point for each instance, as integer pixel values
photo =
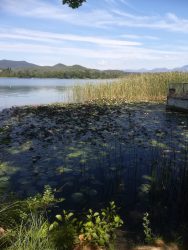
(62, 170)
(77, 197)
(4, 179)
(75, 154)
(158, 144)
(92, 192)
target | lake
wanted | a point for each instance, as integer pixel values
(34, 91)
(134, 154)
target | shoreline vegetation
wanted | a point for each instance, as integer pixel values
(146, 87)
(62, 72)
(24, 224)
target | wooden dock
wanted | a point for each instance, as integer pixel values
(177, 98)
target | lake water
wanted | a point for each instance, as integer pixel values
(19, 92)
(134, 154)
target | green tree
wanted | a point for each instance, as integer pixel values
(74, 3)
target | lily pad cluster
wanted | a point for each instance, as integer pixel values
(92, 152)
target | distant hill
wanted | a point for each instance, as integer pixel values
(159, 70)
(77, 67)
(59, 66)
(182, 69)
(23, 69)
(4, 64)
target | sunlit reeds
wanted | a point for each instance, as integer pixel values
(132, 88)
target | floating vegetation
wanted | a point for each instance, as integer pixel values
(77, 197)
(97, 152)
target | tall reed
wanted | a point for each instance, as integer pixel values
(132, 88)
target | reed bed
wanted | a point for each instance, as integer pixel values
(146, 87)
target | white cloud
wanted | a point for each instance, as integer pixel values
(43, 10)
(169, 22)
(36, 35)
(124, 57)
(138, 37)
(103, 50)
(99, 18)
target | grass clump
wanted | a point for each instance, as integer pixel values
(23, 220)
(32, 236)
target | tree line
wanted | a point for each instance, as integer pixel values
(62, 74)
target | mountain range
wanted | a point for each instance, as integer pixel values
(9, 68)
(21, 65)
(159, 70)
(4, 64)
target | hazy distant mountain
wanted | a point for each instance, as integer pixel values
(4, 64)
(159, 70)
(183, 69)
(142, 70)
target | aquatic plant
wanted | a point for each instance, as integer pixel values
(132, 88)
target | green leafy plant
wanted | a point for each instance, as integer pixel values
(99, 227)
(42, 201)
(64, 230)
(149, 237)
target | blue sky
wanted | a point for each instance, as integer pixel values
(104, 34)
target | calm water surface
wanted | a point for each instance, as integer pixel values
(19, 92)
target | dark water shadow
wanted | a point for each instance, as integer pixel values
(135, 155)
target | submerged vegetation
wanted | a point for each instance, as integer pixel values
(116, 144)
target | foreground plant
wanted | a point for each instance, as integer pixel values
(32, 236)
(41, 202)
(12, 213)
(24, 213)
(149, 237)
(64, 231)
(96, 230)
(99, 227)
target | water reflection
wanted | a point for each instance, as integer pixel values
(19, 92)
